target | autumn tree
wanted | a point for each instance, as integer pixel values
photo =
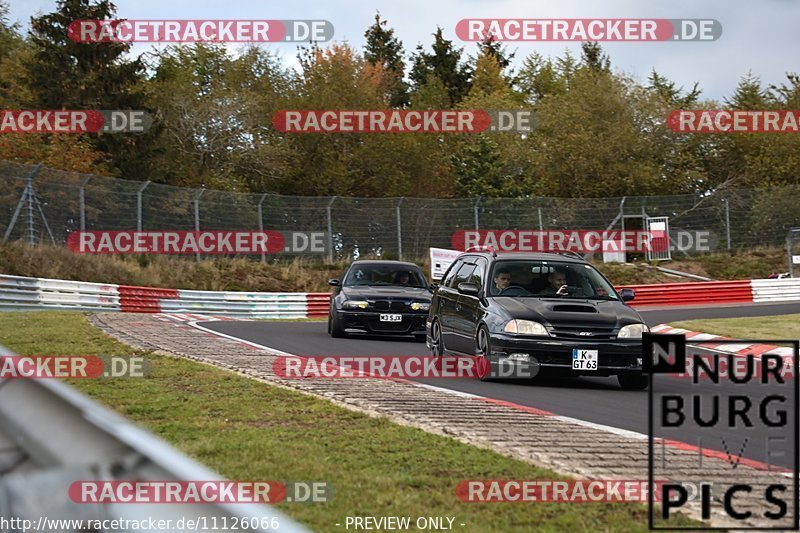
(443, 62)
(384, 49)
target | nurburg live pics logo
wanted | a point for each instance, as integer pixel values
(756, 411)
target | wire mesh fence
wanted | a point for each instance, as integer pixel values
(40, 204)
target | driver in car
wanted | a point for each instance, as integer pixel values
(502, 279)
(557, 283)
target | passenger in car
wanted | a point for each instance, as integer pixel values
(556, 283)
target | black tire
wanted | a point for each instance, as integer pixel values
(334, 327)
(633, 381)
(437, 345)
(483, 348)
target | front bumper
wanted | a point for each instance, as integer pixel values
(614, 356)
(369, 322)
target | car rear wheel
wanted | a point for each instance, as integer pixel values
(483, 349)
(633, 381)
(334, 327)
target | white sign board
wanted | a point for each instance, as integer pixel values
(441, 259)
(796, 259)
(612, 253)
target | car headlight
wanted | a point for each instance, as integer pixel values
(420, 306)
(632, 331)
(525, 327)
(355, 304)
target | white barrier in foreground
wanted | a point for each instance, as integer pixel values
(59, 436)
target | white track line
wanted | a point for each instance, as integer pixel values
(610, 429)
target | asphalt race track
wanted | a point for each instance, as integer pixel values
(596, 400)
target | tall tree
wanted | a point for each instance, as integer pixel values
(749, 94)
(384, 49)
(593, 57)
(444, 62)
(493, 47)
(671, 93)
(13, 50)
(539, 77)
(65, 74)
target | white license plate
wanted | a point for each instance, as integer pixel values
(584, 359)
(391, 318)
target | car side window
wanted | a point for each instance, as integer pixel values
(463, 274)
(476, 278)
(448, 277)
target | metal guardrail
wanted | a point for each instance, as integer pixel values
(18, 293)
(51, 436)
(21, 294)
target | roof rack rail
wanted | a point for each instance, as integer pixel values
(569, 253)
(489, 249)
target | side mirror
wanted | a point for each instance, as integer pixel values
(468, 288)
(627, 294)
(433, 286)
(333, 282)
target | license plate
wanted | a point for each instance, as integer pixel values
(584, 359)
(391, 318)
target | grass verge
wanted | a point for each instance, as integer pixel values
(761, 327)
(249, 430)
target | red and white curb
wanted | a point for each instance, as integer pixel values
(742, 349)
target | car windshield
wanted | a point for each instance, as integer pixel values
(528, 278)
(401, 276)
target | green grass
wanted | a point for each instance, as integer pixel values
(249, 430)
(772, 327)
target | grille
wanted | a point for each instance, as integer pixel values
(574, 332)
(389, 305)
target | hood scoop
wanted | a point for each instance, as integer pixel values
(572, 308)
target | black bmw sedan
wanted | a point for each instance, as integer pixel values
(380, 298)
(545, 313)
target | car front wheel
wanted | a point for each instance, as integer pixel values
(483, 349)
(334, 327)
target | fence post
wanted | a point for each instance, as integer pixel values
(197, 214)
(477, 204)
(399, 232)
(728, 222)
(83, 201)
(261, 224)
(139, 205)
(330, 230)
(28, 190)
